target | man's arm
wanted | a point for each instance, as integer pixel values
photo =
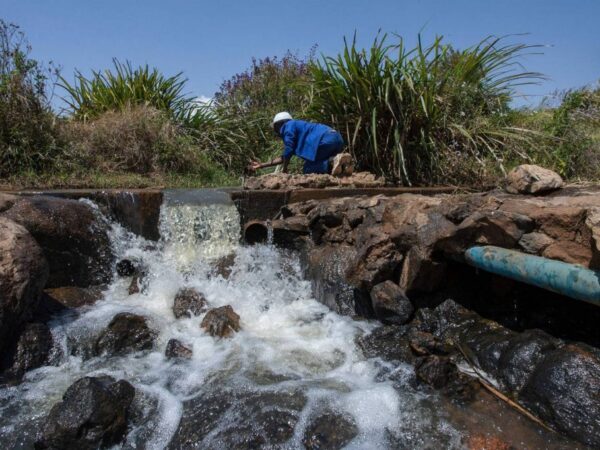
(255, 165)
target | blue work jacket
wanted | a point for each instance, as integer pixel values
(302, 138)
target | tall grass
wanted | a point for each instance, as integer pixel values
(124, 87)
(426, 115)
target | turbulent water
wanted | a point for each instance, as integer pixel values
(292, 361)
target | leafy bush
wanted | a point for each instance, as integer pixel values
(431, 114)
(125, 87)
(141, 139)
(244, 107)
(27, 132)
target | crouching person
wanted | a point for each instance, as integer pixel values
(318, 145)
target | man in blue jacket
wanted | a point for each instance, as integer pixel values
(318, 145)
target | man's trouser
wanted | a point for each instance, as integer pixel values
(330, 145)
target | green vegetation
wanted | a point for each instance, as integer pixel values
(432, 114)
(125, 87)
(418, 115)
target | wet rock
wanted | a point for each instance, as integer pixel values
(175, 349)
(376, 260)
(564, 391)
(386, 342)
(532, 179)
(535, 243)
(188, 302)
(287, 233)
(32, 350)
(93, 413)
(326, 268)
(390, 303)
(75, 297)
(126, 268)
(329, 431)
(521, 356)
(72, 236)
(125, 333)
(436, 371)
(23, 273)
(221, 322)
(224, 265)
(423, 343)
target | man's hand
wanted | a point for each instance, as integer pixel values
(253, 166)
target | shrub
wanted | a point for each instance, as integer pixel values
(244, 107)
(125, 87)
(140, 139)
(431, 114)
(27, 132)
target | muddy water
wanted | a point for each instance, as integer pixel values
(292, 363)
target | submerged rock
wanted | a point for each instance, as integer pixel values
(32, 350)
(188, 302)
(23, 273)
(532, 179)
(329, 431)
(390, 303)
(72, 236)
(125, 333)
(221, 322)
(93, 413)
(175, 349)
(224, 265)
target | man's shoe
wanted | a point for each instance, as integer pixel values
(342, 165)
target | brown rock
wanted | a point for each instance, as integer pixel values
(73, 296)
(437, 371)
(221, 322)
(291, 181)
(390, 304)
(569, 252)
(188, 302)
(23, 274)
(135, 285)
(175, 349)
(7, 201)
(532, 179)
(72, 236)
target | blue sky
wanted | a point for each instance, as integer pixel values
(211, 40)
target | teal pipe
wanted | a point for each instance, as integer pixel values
(556, 276)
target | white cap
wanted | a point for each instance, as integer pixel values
(281, 116)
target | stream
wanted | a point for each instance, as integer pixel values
(293, 371)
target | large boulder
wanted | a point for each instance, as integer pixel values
(125, 333)
(390, 303)
(532, 179)
(93, 413)
(221, 322)
(564, 390)
(23, 274)
(72, 235)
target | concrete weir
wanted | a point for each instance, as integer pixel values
(138, 210)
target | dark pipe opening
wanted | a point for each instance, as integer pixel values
(256, 232)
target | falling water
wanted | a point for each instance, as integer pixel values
(292, 361)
